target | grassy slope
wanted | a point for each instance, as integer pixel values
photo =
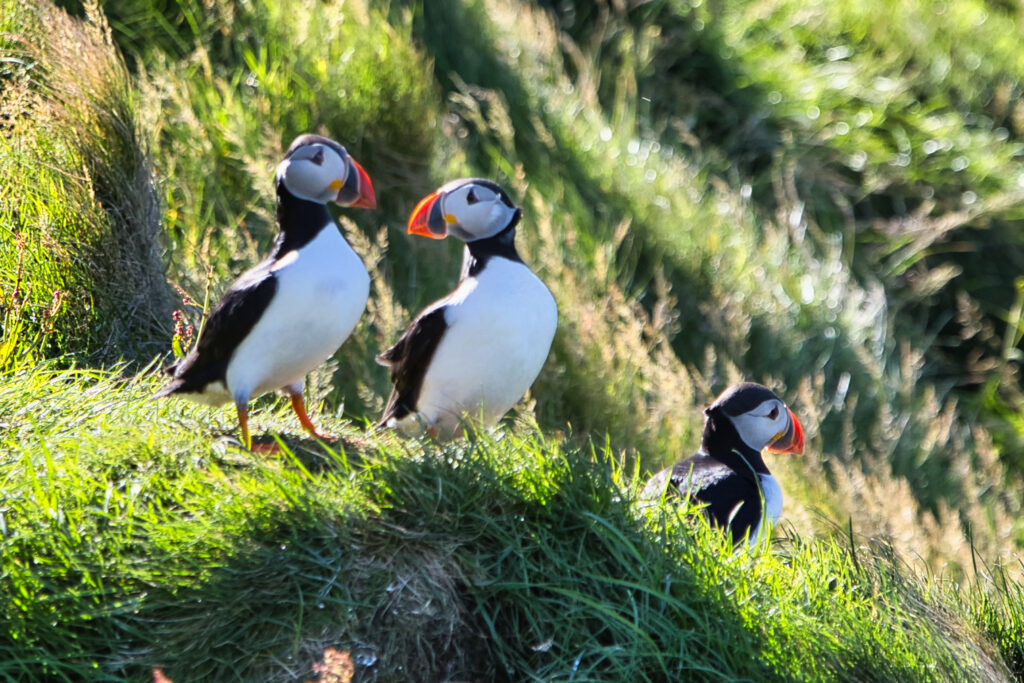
(80, 218)
(513, 559)
(686, 250)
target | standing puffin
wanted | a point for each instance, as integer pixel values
(289, 313)
(474, 353)
(728, 473)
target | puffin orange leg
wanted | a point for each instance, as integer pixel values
(299, 406)
(243, 424)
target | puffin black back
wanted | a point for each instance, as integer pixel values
(268, 330)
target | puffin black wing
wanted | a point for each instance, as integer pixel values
(231, 320)
(409, 359)
(732, 499)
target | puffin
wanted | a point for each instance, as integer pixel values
(296, 307)
(728, 474)
(470, 356)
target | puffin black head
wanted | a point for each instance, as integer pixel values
(757, 417)
(320, 170)
(469, 208)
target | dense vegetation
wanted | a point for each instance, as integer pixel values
(823, 198)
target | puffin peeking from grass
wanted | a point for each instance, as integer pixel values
(292, 311)
(728, 473)
(473, 354)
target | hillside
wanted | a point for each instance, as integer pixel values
(823, 199)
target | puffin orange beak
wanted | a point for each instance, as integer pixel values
(793, 440)
(427, 219)
(357, 190)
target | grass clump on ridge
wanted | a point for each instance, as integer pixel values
(511, 559)
(79, 219)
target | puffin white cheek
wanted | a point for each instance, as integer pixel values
(304, 180)
(756, 431)
(500, 214)
(334, 168)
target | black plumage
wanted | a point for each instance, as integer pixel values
(728, 475)
(234, 316)
(723, 476)
(228, 324)
(479, 252)
(409, 359)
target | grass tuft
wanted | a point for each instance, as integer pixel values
(518, 557)
(80, 256)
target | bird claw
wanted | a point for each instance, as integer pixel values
(323, 437)
(266, 448)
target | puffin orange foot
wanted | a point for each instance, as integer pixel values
(299, 406)
(266, 447)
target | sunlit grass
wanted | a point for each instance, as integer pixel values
(775, 191)
(132, 539)
(79, 250)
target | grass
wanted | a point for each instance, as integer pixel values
(509, 559)
(80, 255)
(779, 191)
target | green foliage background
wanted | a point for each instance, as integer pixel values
(822, 198)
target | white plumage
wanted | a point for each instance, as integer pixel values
(473, 354)
(772, 492)
(322, 290)
(500, 327)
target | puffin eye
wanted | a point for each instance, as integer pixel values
(318, 158)
(471, 197)
(774, 413)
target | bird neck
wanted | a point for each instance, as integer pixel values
(502, 244)
(722, 442)
(299, 220)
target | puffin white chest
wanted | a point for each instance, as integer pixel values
(772, 493)
(772, 496)
(321, 293)
(500, 327)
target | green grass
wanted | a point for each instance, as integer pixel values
(81, 225)
(520, 558)
(799, 194)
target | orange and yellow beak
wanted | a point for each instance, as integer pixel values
(428, 219)
(792, 440)
(357, 189)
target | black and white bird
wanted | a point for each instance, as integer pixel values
(292, 311)
(728, 474)
(473, 354)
